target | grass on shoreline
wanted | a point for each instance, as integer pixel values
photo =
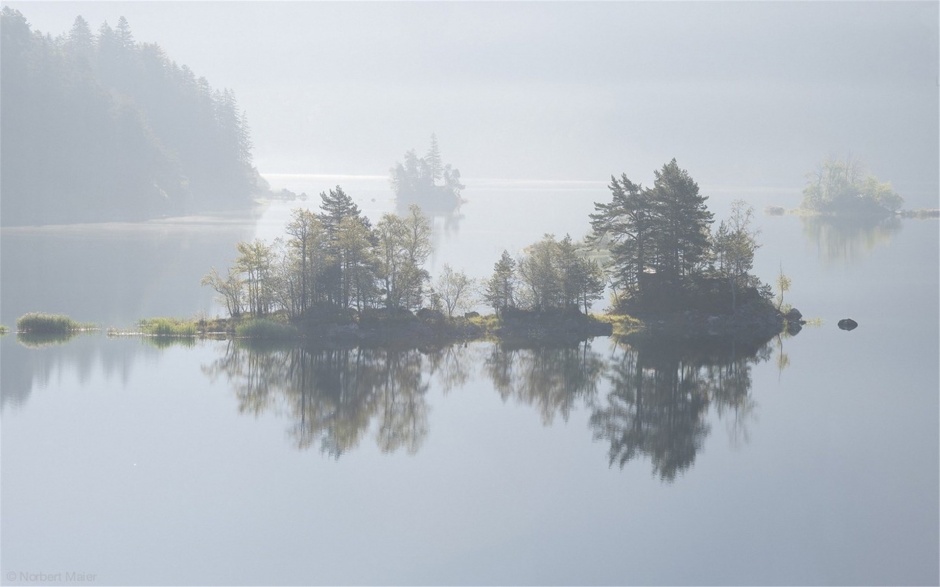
(54, 324)
(257, 328)
(177, 328)
(168, 327)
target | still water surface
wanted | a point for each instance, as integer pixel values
(813, 460)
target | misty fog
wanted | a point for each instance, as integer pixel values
(470, 293)
(742, 94)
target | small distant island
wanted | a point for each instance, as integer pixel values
(426, 181)
(843, 188)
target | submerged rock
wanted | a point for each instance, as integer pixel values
(848, 324)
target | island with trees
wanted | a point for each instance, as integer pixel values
(99, 127)
(427, 181)
(843, 188)
(334, 277)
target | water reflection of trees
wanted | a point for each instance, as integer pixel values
(646, 400)
(551, 379)
(659, 399)
(333, 396)
(29, 363)
(841, 238)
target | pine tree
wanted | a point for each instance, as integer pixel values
(681, 224)
(625, 225)
(124, 35)
(336, 205)
(80, 43)
(433, 159)
(500, 292)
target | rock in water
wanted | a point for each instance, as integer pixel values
(848, 324)
(793, 315)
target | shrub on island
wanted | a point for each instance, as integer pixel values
(42, 323)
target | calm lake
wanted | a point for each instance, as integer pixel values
(813, 460)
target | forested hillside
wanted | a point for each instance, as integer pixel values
(96, 126)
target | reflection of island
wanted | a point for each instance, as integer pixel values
(659, 399)
(849, 238)
(445, 209)
(333, 396)
(647, 400)
(552, 379)
(30, 363)
(847, 211)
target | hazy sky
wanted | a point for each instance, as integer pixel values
(742, 94)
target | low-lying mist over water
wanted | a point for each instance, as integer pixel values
(625, 293)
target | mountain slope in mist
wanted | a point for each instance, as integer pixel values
(98, 127)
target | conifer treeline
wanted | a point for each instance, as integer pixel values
(97, 126)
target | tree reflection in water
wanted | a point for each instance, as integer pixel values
(659, 398)
(332, 395)
(647, 399)
(551, 379)
(849, 238)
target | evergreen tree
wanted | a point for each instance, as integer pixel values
(626, 225)
(336, 205)
(658, 238)
(500, 292)
(681, 224)
(433, 159)
(80, 43)
(124, 36)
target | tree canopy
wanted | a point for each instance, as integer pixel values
(662, 253)
(330, 262)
